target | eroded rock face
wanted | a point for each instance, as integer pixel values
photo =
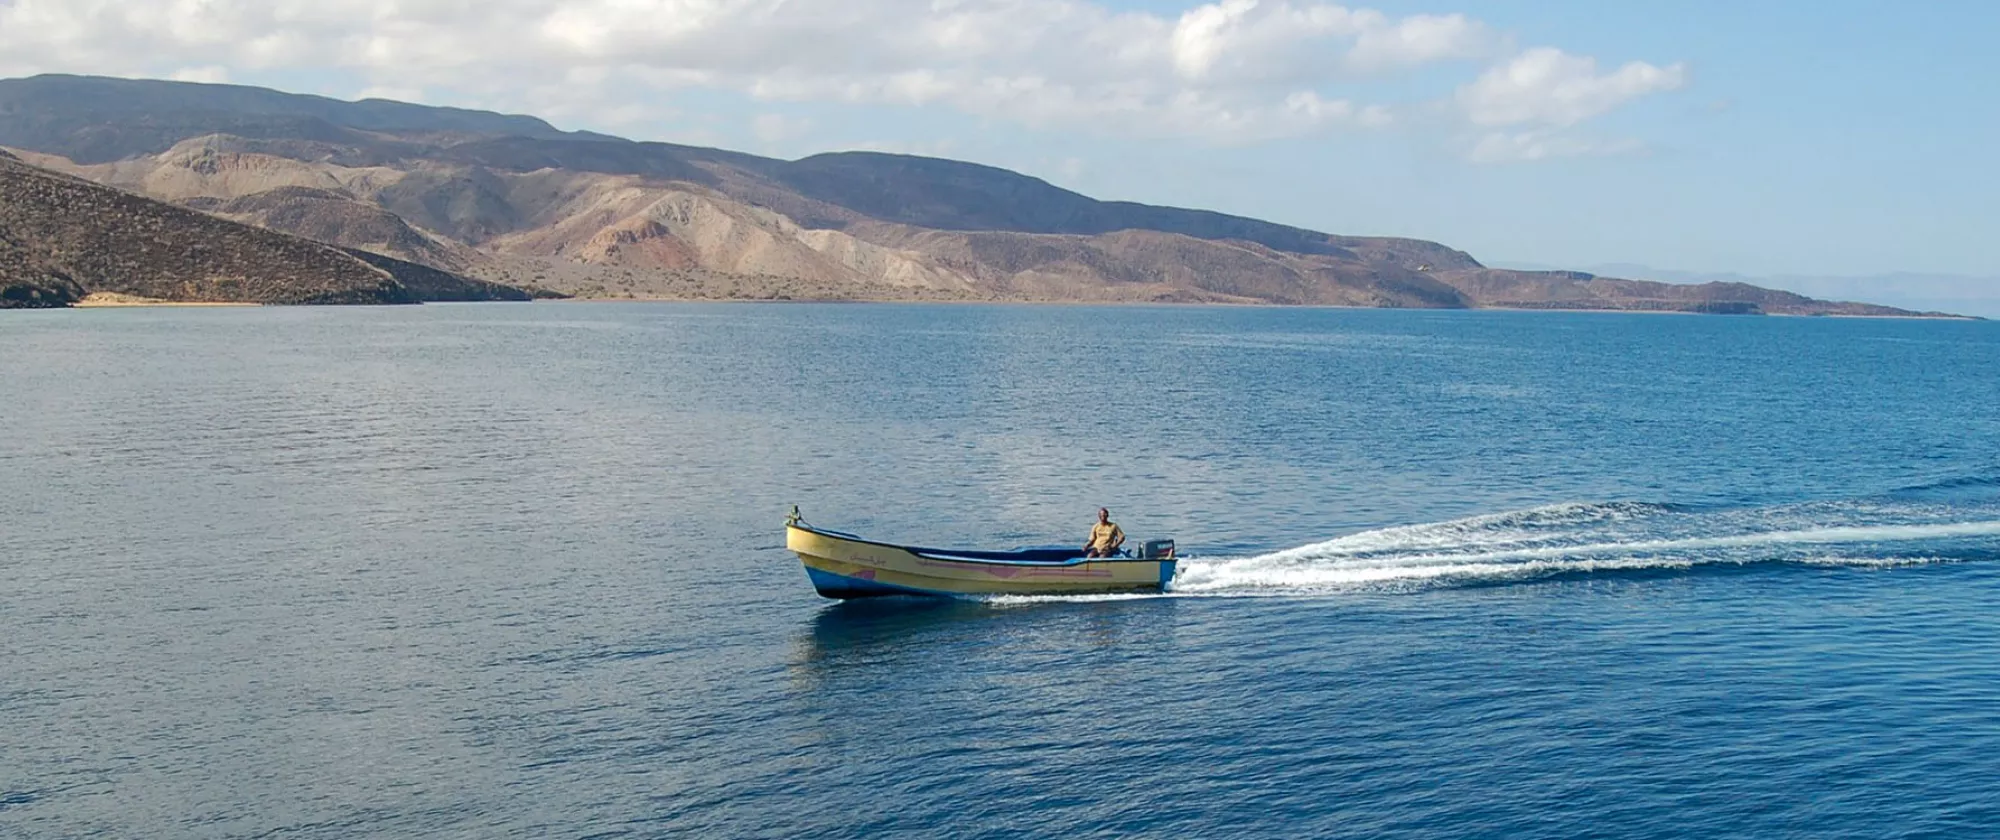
(21, 289)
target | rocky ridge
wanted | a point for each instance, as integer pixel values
(62, 238)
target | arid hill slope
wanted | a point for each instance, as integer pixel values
(68, 236)
(512, 199)
(1506, 289)
(63, 237)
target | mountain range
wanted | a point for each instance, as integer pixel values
(515, 202)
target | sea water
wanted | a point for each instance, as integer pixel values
(516, 570)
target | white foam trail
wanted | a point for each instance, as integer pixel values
(1023, 600)
(1565, 539)
(1497, 528)
(1874, 562)
(1814, 536)
(1358, 559)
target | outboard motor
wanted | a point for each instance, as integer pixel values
(1156, 550)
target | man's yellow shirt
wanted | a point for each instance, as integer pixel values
(1105, 535)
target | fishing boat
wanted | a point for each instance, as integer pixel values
(847, 566)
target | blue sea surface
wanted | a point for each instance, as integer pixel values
(516, 570)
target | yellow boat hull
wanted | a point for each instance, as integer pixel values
(843, 566)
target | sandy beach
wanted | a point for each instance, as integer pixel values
(116, 299)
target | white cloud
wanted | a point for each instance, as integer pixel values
(1262, 41)
(1532, 101)
(1228, 71)
(210, 73)
(1423, 39)
(1548, 86)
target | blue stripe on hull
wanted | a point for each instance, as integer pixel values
(841, 586)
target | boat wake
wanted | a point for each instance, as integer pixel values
(1594, 538)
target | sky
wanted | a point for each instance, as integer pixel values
(1832, 138)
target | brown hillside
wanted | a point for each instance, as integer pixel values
(62, 238)
(1577, 290)
(512, 199)
(430, 284)
(102, 239)
(339, 219)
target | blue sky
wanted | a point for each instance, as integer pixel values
(1766, 138)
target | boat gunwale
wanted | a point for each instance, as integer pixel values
(948, 556)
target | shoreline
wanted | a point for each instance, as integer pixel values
(1254, 305)
(106, 300)
(112, 300)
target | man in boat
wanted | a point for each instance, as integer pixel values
(1105, 537)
